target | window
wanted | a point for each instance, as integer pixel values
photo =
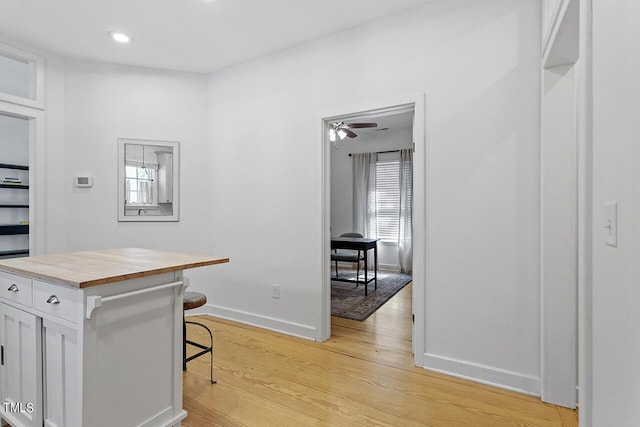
(385, 202)
(22, 80)
(141, 186)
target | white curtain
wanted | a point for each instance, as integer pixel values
(127, 191)
(145, 192)
(365, 202)
(405, 245)
(364, 184)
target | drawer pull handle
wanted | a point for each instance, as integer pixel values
(13, 288)
(53, 300)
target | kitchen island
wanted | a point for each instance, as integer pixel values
(93, 338)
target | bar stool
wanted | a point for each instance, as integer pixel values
(194, 300)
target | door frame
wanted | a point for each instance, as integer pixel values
(565, 212)
(381, 107)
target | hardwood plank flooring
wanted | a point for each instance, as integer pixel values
(362, 376)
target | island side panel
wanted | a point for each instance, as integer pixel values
(132, 360)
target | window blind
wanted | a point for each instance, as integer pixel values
(387, 201)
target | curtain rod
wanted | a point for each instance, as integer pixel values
(379, 152)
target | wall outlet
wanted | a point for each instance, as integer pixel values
(275, 291)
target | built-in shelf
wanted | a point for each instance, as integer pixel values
(15, 167)
(16, 186)
(10, 166)
(6, 230)
(14, 252)
(14, 229)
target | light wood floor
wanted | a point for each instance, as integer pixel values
(362, 376)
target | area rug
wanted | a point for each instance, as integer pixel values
(349, 302)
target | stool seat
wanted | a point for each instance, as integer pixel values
(193, 300)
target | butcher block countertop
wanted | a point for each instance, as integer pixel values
(91, 268)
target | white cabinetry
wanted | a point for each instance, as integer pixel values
(101, 356)
(165, 177)
(61, 361)
(93, 338)
(20, 362)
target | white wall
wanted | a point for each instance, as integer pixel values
(57, 180)
(251, 171)
(342, 183)
(478, 63)
(90, 105)
(616, 271)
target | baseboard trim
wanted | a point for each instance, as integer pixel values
(265, 322)
(389, 267)
(164, 417)
(488, 375)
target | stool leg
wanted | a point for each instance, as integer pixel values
(211, 361)
(184, 343)
(204, 348)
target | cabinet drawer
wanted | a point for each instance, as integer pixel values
(16, 288)
(59, 301)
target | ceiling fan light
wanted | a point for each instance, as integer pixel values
(342, 134)
(332, 135)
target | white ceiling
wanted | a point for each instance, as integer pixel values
(189, 35)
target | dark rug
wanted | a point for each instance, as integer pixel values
(349, 302)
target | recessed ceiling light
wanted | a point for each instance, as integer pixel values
(119, 37)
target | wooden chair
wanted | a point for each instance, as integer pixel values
(194, 300)
(349, 256)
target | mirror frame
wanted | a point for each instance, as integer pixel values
(175, 145)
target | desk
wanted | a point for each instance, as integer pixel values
(364, 244)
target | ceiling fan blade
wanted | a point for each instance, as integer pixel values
(361, 125)
(349, 133)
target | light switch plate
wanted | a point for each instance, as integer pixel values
(611, 224)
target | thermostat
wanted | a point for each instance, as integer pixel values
(83, 181)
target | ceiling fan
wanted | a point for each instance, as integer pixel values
(341, 130)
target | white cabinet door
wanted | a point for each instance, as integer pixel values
(62, 406)
(20, 367)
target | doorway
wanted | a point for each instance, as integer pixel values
(371, 193)
(14, 186)
(415, 108)
(22, 141)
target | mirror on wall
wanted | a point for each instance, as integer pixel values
(148, 185)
